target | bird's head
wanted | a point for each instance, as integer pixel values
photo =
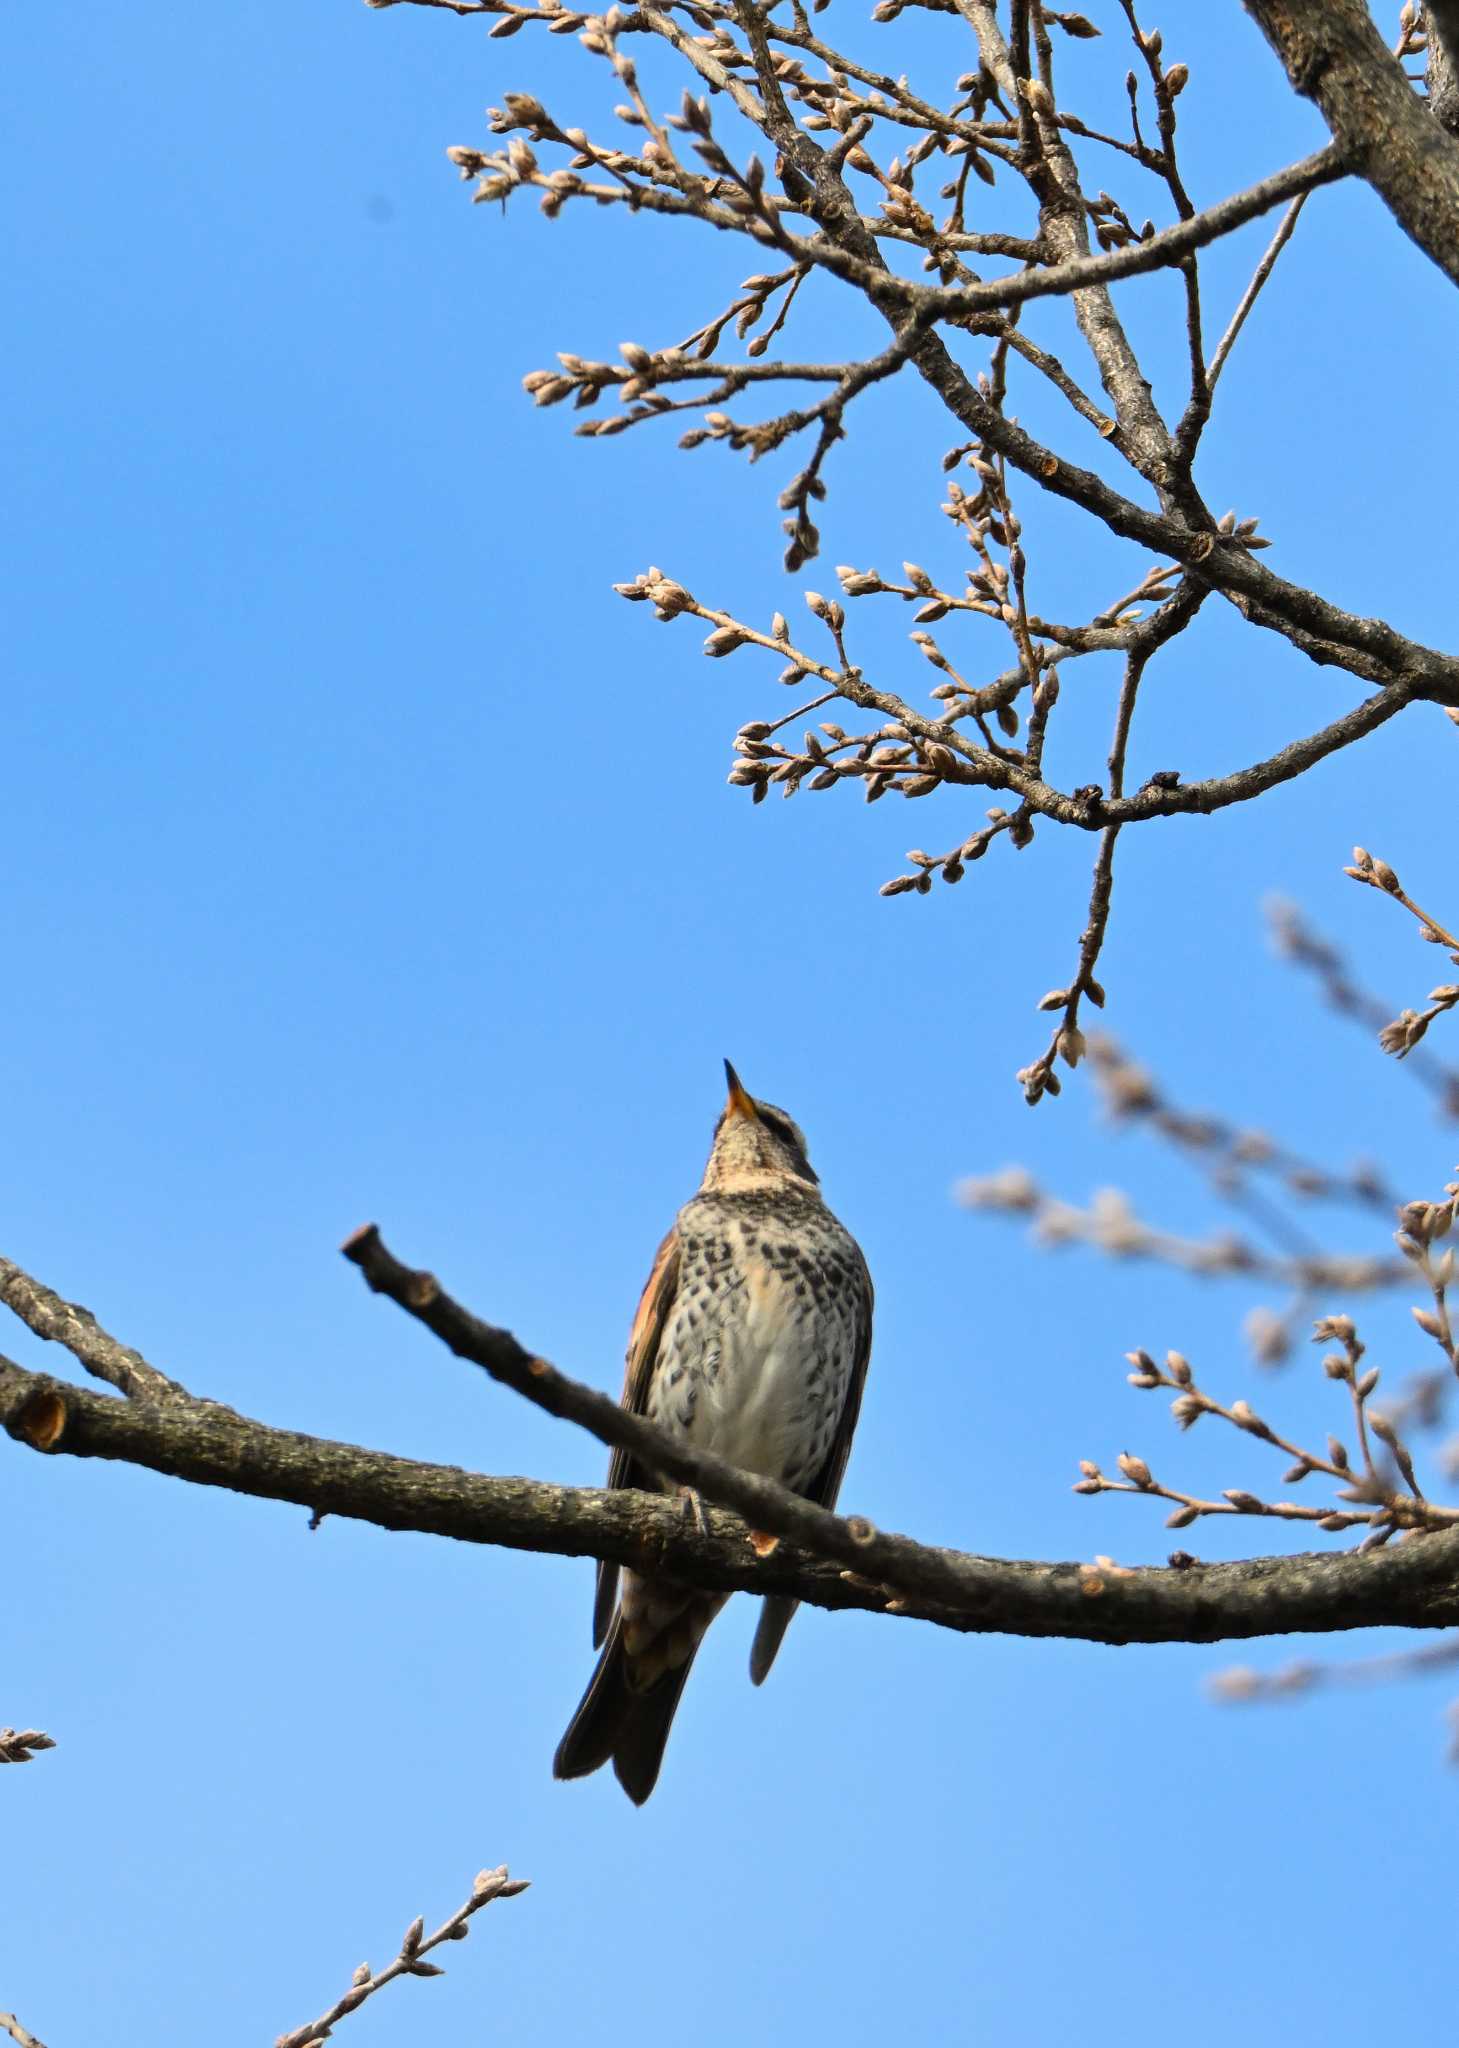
(756, 1146)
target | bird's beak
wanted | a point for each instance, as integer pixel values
(740, 1102)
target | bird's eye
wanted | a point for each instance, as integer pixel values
(782, 1128)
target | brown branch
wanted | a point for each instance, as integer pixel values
(64, 1322)
(1441, 19)
(489, 1885)
(1240, 1685)
(851, 1542)
(1416, 1585)
(1067, 1042)
(1402, 1033)
(1377, 874)
(1229, 1152)
(1370, 1499)
(1050, 171)
(1111, 1225)
(1218, 791)
(1298, 942)
(1441, 70)
(1081, 274)
(1249, 297)
(951, 758)
(846, 244)
(1323, 631)
(1162, 250)
(1333, 54)
(1166, 86)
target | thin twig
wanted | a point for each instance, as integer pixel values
(489, 1885)
(1240, 1685)
(63, 1322)
(1249, 297)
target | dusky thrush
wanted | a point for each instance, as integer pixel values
(751, 1340)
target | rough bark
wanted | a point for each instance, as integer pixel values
(1333, 55)
(847, 1563)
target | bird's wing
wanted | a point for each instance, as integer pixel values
(827, 1484)
(643, 1348)
(779, 1608)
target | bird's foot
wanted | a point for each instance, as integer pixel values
(691, 1506)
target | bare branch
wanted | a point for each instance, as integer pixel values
(1110, 1224)
(1067, 1042)
(1368, 1493)
(1416, 1585)
(1241, 1686)
(64, 1322)
(417, 1944)
(947, 757)
(835, 206)
(1324, 632)
(1298, 942)
(1249, 297)
(1441, 19)
(1404, 1032)
(1229, 1152)
(1333, 54)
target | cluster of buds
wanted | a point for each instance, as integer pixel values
(20, 1745)
(1422, 1225)
(1113, 227)
(415, 1944)
(1370, 1498)
(653, 587)
(885, 759)
(1404, 1031)
(951, 866)
(1412, 30)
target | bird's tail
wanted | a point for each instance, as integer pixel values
(779, 1612)
(615, 1719)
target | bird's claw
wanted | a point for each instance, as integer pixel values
(691, 1506)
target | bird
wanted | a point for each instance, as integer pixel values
(751, 1340)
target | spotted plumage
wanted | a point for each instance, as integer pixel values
(751, 1341)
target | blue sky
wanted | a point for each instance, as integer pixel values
(367, 858)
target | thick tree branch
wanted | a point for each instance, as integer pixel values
(815, 183)
(1441, 73)
(1322, 630)
(956, 760)
(1196, 799)
(1412, 1585)
(766, 1505)
(1333, 54)
(63, 1322)
(1441, 19)
(1369, 647)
